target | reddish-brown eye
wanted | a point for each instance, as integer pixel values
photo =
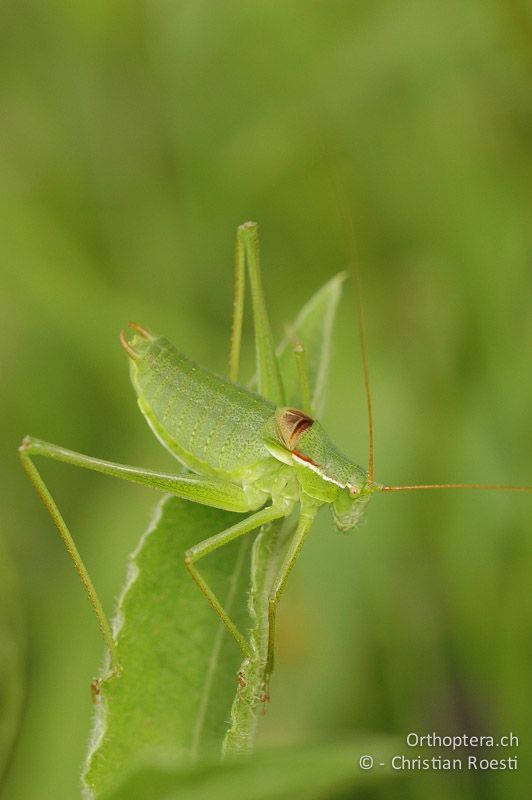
(291, 424)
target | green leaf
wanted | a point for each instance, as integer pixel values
(179, 666)
(313, 327)
(12, 658)
(308, 773)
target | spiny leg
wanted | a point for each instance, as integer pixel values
(307, 515)
(203, 549)
(238, 309)
(208, 492)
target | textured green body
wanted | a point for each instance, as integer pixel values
(213, 426)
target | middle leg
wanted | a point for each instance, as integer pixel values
(306, 518)
(203, 549)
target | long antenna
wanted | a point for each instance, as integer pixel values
(484, 486)
(363, 350)
(347, 218)
(343, 209)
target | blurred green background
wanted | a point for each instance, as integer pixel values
(135, 137)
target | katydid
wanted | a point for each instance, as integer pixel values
(245, 452)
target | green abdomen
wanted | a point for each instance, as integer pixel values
(209, 423)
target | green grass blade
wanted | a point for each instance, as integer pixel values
(308, 773)
(179, 666)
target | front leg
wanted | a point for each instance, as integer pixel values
(309, 509)
(202, 549)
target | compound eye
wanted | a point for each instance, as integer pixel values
(291, 425)
(354, 490)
